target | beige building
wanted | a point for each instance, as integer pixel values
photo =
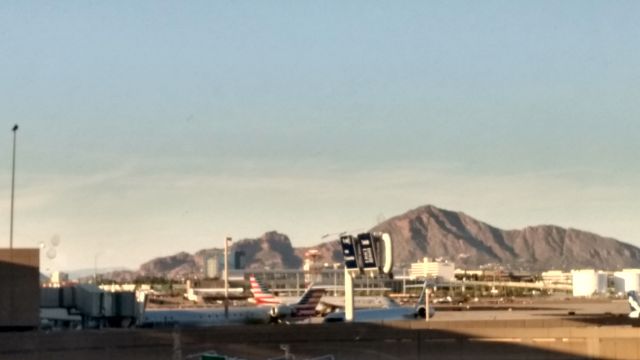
(19, 288)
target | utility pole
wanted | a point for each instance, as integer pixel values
(13, 180)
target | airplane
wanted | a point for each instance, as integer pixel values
(262, 296)
(203, 317)
(634, 303)
(282, 311)
(329, 304)
(387, 314)
(275, 313)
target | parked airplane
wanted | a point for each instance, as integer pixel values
(634, 303)
(280, 310)
(204, 317)
(236, 315)
(262, 296)
(388, 314)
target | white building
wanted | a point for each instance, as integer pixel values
(58, 278)
(117, 287)
(626, 280)
(432, 269)
(588, 282)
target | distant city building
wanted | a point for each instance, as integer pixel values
(557, 277)
(432, 269)
(214, 263)
(58, 278)
(626, 280)
(464, 274)
(588, 282)
(122, 287)
(212, 268)
(239, 262)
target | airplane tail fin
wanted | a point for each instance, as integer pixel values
(261, 294)
(306, 305)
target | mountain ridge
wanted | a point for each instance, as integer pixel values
(429, 231)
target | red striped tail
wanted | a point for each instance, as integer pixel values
(261, 295)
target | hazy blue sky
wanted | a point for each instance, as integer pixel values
(152, 127)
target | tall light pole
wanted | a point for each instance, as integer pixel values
(335, 278)
(95, 267)
(13, 181)
(227, 240)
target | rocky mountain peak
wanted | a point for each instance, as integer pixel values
(429, 231)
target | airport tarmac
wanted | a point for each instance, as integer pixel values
(527, 310)
(540, 330)
(533, 310)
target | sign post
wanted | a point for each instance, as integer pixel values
(351, 264)
(363, 255)
(426, 303)
(348, 296)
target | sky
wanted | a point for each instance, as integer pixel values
(153, 127)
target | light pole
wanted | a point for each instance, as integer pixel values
(13, 180)
(335, 278)
(227, 240)
(95, 267)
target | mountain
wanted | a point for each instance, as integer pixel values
(272, 250)
(174, 266)
(434, 232)
(86, 273)
(431, 232)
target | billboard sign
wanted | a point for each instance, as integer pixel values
(367, 251)
(349, 252)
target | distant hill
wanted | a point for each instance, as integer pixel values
(85, 273)
(271, 250)
(432, 232)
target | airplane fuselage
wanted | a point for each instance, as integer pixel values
(205, 317)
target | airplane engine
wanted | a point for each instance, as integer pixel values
(422, 312)
(279, 312)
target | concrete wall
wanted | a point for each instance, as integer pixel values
(401, 340)
(19, 288)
